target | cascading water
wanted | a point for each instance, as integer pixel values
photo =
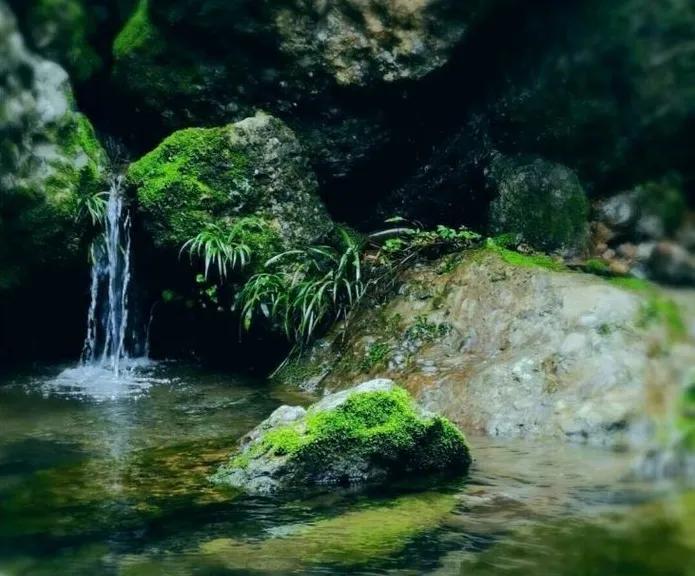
(106, 343)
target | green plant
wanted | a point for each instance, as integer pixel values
(375, 355)
(305, 287)
(424, 330)
(224, 248)
(93, 206)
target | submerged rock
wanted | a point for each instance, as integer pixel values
(254, 169)
(370, 433)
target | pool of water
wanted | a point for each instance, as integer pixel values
(109, 477)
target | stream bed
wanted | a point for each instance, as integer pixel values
(109, 477)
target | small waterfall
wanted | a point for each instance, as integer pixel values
(106, 343)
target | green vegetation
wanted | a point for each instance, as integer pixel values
(375, 356)
(136, 33)
(665, 200)
(534, 260)
(383, 427)
(657, 308)
(193, 179)
(542, 202)
(305, 288)
(64, 30)
(685, 421)
(425, 331)
(229, 248)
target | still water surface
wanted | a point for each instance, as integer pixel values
(109, 478)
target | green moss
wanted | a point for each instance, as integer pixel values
(535, 260)
(665, 200)
(166, 76)
(375, 356)
(382, 426)
(195, 177)
(659, 309)
(596, 266)
(424, 330)
(685, 421)
(542, 202)
(63, 30)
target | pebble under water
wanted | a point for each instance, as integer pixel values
(107, 477)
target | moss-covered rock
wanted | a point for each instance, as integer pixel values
(254, 168)
(542, 202)
(62, 30)
(370, 433)
(51, 162)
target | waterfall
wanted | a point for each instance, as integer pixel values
(106, 343)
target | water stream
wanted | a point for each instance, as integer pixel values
(112, 480)
(106, 344)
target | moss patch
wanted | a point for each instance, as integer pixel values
(63, 31)
(190, 180)
(380, 428)
(535, 260)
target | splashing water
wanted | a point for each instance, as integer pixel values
(106, 343)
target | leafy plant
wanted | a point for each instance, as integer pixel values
(306, 288)
(223, 248)
(94, 207)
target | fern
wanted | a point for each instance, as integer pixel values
(310, 287)
(220, 248)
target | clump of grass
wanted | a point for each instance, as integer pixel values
(305, 288)
(223, 248)
(93, 206)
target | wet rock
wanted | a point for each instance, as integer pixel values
(532, 350)
(366, 434)
(671, 263)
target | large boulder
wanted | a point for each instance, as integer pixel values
(254, 169)
(51, 161)
(330, 70)
(370, 433)
(542, 202)
(515, 345)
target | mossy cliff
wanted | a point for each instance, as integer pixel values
(371, 433)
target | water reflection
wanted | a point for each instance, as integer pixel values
(116, 483)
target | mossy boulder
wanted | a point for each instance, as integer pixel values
(371, 433)
(541, 201)
(50, 159)
(255, 169)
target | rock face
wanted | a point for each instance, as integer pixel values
(50, 161)
(370, 433)
(542, 202)
(512, 346)
(254, 169)
(312, 63)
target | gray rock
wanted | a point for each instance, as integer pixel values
(380, 436)
(563, 355)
